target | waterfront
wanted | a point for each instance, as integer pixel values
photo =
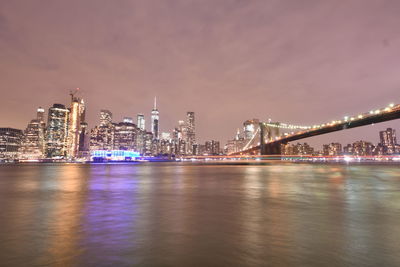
(184, 214)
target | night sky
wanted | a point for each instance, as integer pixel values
(301, 62)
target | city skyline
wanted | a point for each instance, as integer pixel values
(228, 61)
(68, 136)
(317, 141)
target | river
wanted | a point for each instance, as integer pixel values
(188, 214)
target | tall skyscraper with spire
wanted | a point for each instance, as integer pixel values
(191, 132)
(155, 120)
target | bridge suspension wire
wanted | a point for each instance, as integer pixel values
(252, 139)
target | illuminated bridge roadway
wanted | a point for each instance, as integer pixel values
(267, 145)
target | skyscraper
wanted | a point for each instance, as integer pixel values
(124, 136)
(388, 140)
(155, 120)
(57, 131)
(102, 136)
(40, 114)
(140, 122)
(33, 143)
(191, 133)
(77, 113)
(10, 142)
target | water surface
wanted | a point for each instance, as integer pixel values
(175, 214)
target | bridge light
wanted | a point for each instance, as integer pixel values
(391, 105)
(371, 112)
(377, 111)
(346, 118)
(387, 109)
(360, 116)
(352, 119)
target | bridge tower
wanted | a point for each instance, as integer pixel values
(269, 149)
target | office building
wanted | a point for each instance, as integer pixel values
(388, 140)
(124, 136)
(76, 118)
(102, 136)
(10, 143)
(141, 122)
(191, 132)
(57, 131)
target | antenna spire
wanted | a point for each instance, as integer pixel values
(155, 102)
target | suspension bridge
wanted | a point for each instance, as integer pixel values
(269, 137)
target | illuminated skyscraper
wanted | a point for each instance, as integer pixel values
(57, 131)
(33, 144)
(148, 141)
(388, 140)
(155, 121)
(102, 136)
(40, 114)
(140, 122)
(10, 142)
(191, 133)
(124, 136)
(77, 114)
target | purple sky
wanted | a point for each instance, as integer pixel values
(301, 62)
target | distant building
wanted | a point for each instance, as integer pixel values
(297, 149)
(105, 117)
(141, 122)
(165, 147)
(190, 132)
(33, 143)
(124, 136)
(127, 119)
(235, 145)
(102, 136)
(249, 128)
(348, 149)
(362, 148)
(10, 143)
(148, 144)
(76, 119)
(155, 120)
(332, 149)
(388, 140)
(140, 141)
(212, 148)
(40, 114)
(57, 131)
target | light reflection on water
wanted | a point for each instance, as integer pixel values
(207, 215)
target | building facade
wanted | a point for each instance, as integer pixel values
(10, 143)
(57, 131)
